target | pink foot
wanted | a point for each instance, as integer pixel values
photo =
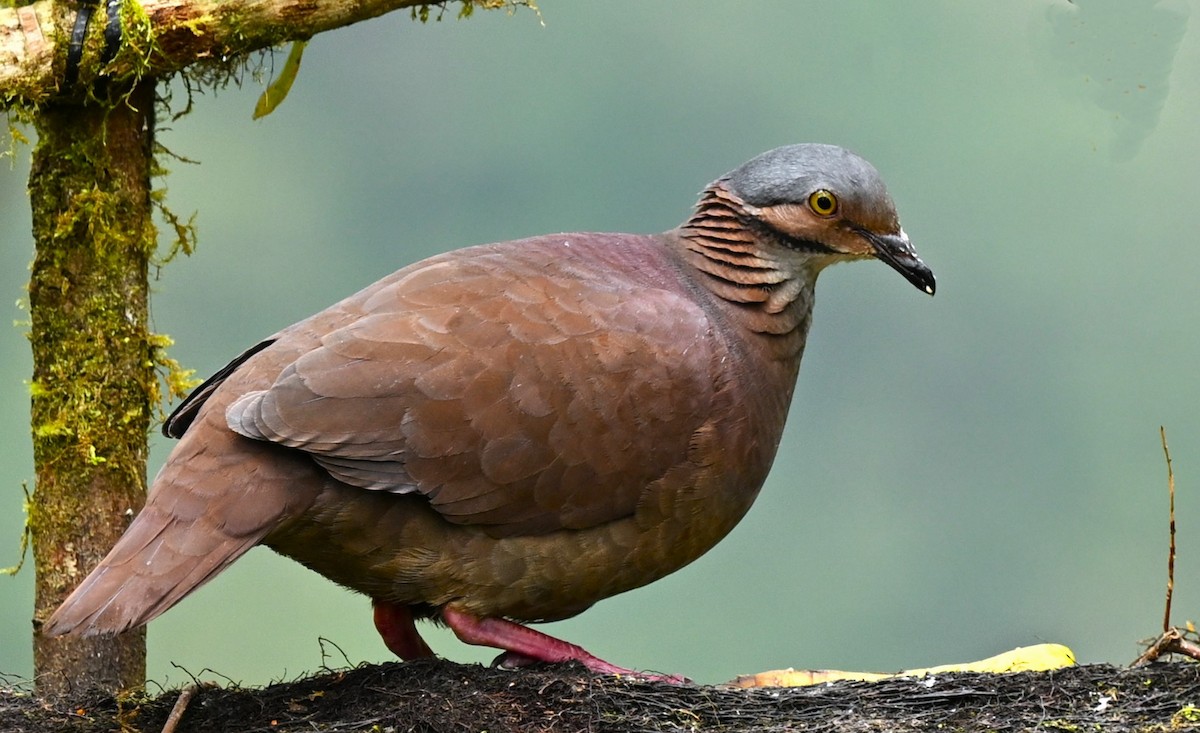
(525, 646)
(395, 624)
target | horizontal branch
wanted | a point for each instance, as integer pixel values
(161, 37)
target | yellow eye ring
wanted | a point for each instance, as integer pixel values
(823, 202)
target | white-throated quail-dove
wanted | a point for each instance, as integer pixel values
(511, 432)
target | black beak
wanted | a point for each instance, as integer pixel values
(897, 251)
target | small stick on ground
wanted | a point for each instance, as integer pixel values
(181, 703)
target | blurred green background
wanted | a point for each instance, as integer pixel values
(959, 476)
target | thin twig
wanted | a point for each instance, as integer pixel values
(321, 642)
(1173, 640)
(1170, 552)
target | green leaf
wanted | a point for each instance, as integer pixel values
(278, 89)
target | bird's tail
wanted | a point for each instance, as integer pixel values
(209, 506)
(155, 564)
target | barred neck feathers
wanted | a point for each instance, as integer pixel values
(743, 265)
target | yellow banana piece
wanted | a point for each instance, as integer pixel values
(1036, 658)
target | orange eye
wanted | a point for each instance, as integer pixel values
(823, 202)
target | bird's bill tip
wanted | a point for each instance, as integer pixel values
(898, 253)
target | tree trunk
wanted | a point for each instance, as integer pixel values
(94, 384)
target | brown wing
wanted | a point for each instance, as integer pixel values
(516, 390)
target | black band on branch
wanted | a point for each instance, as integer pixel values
(112, 37)
(112, 31)
(75, 50)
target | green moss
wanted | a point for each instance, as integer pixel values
(16, 137)
(137, 40)
(1187, 717)
(26, 507)
(423, 12)
(177, 380)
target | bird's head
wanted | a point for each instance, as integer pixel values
(825, 200)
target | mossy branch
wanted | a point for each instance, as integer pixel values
(162, 37)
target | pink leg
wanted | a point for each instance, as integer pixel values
(525, 646)
(395, 624)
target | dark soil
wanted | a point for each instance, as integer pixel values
(435, 695)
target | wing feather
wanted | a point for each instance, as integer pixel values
(514, 390)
